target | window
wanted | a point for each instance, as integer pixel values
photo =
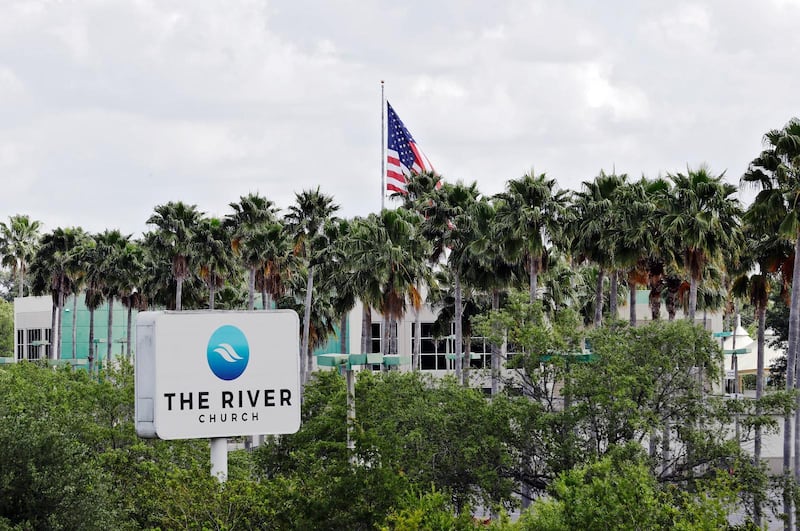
(377, 341)
(377, 338)
(34, 343)
(433, 352)
(47, 346)
(480, 353)
(20, 344)
(512, 351)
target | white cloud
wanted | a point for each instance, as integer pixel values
(122, 106)
(11, 87)
(625, 102)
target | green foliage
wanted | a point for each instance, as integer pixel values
(430, 510)
(619, 492)
(324, 491)
(426, 450)
(6, 329)
(457, 447)
(49, 478)
(436, 432)
(638, 377)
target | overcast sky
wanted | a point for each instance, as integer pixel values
(108, 108)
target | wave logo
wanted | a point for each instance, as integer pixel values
(228, 352)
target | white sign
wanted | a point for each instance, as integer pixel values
(217, 374)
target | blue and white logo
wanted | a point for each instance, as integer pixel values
(228, 352)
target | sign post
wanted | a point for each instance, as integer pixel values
(217, 374)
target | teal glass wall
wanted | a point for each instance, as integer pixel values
(119, 330)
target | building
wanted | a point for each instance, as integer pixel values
(437, 355)
(32, 328)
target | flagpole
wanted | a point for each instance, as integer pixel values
(383, 145)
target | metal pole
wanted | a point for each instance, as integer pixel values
(219, 458)
(351, 413)
(735, 360)
(383, 145)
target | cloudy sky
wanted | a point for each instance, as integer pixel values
(108, 108)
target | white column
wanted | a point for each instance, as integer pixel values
(219, 458)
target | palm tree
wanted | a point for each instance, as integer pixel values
(365, 278)
(87, 257)
(275, 247)
(562, 286)
(418, 187)
(131, 288)
(158, 283)
(637, 242)
(18, 241)
(493, 267)
(337, 275)
(776, 171)
(389, 256)
(593, 229)
(212, 240)
(252, 217)
(322, 314)
(176, 223)
(50, 271)
(532, 211)
(76, 272)
(307, 219)
(111, 256)
(449, 224)
(756, 288)
(703, 218)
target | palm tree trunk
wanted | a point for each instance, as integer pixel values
(692, 298)
(598, 298)
(21, 281)
(55, 335)
(343, 335)
(495, 364)
(385, 340)
(393, 335)
(53, 311)
(305, 360)
(791, 358)
(212, 288)
(60, 324)
(465, 362)
(91, 341)
(178, 293)
(366, 329)
(251, 289)
(612, 296)
(632, 302)
(666, 455)
(110, 335)
(655, 301)
(128, 332)
(534, 277)
(74, 325)
(459, 343)
(670, 304)
(351, 414)
(761, 312)
(415, 351)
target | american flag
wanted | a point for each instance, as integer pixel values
(402, 154)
